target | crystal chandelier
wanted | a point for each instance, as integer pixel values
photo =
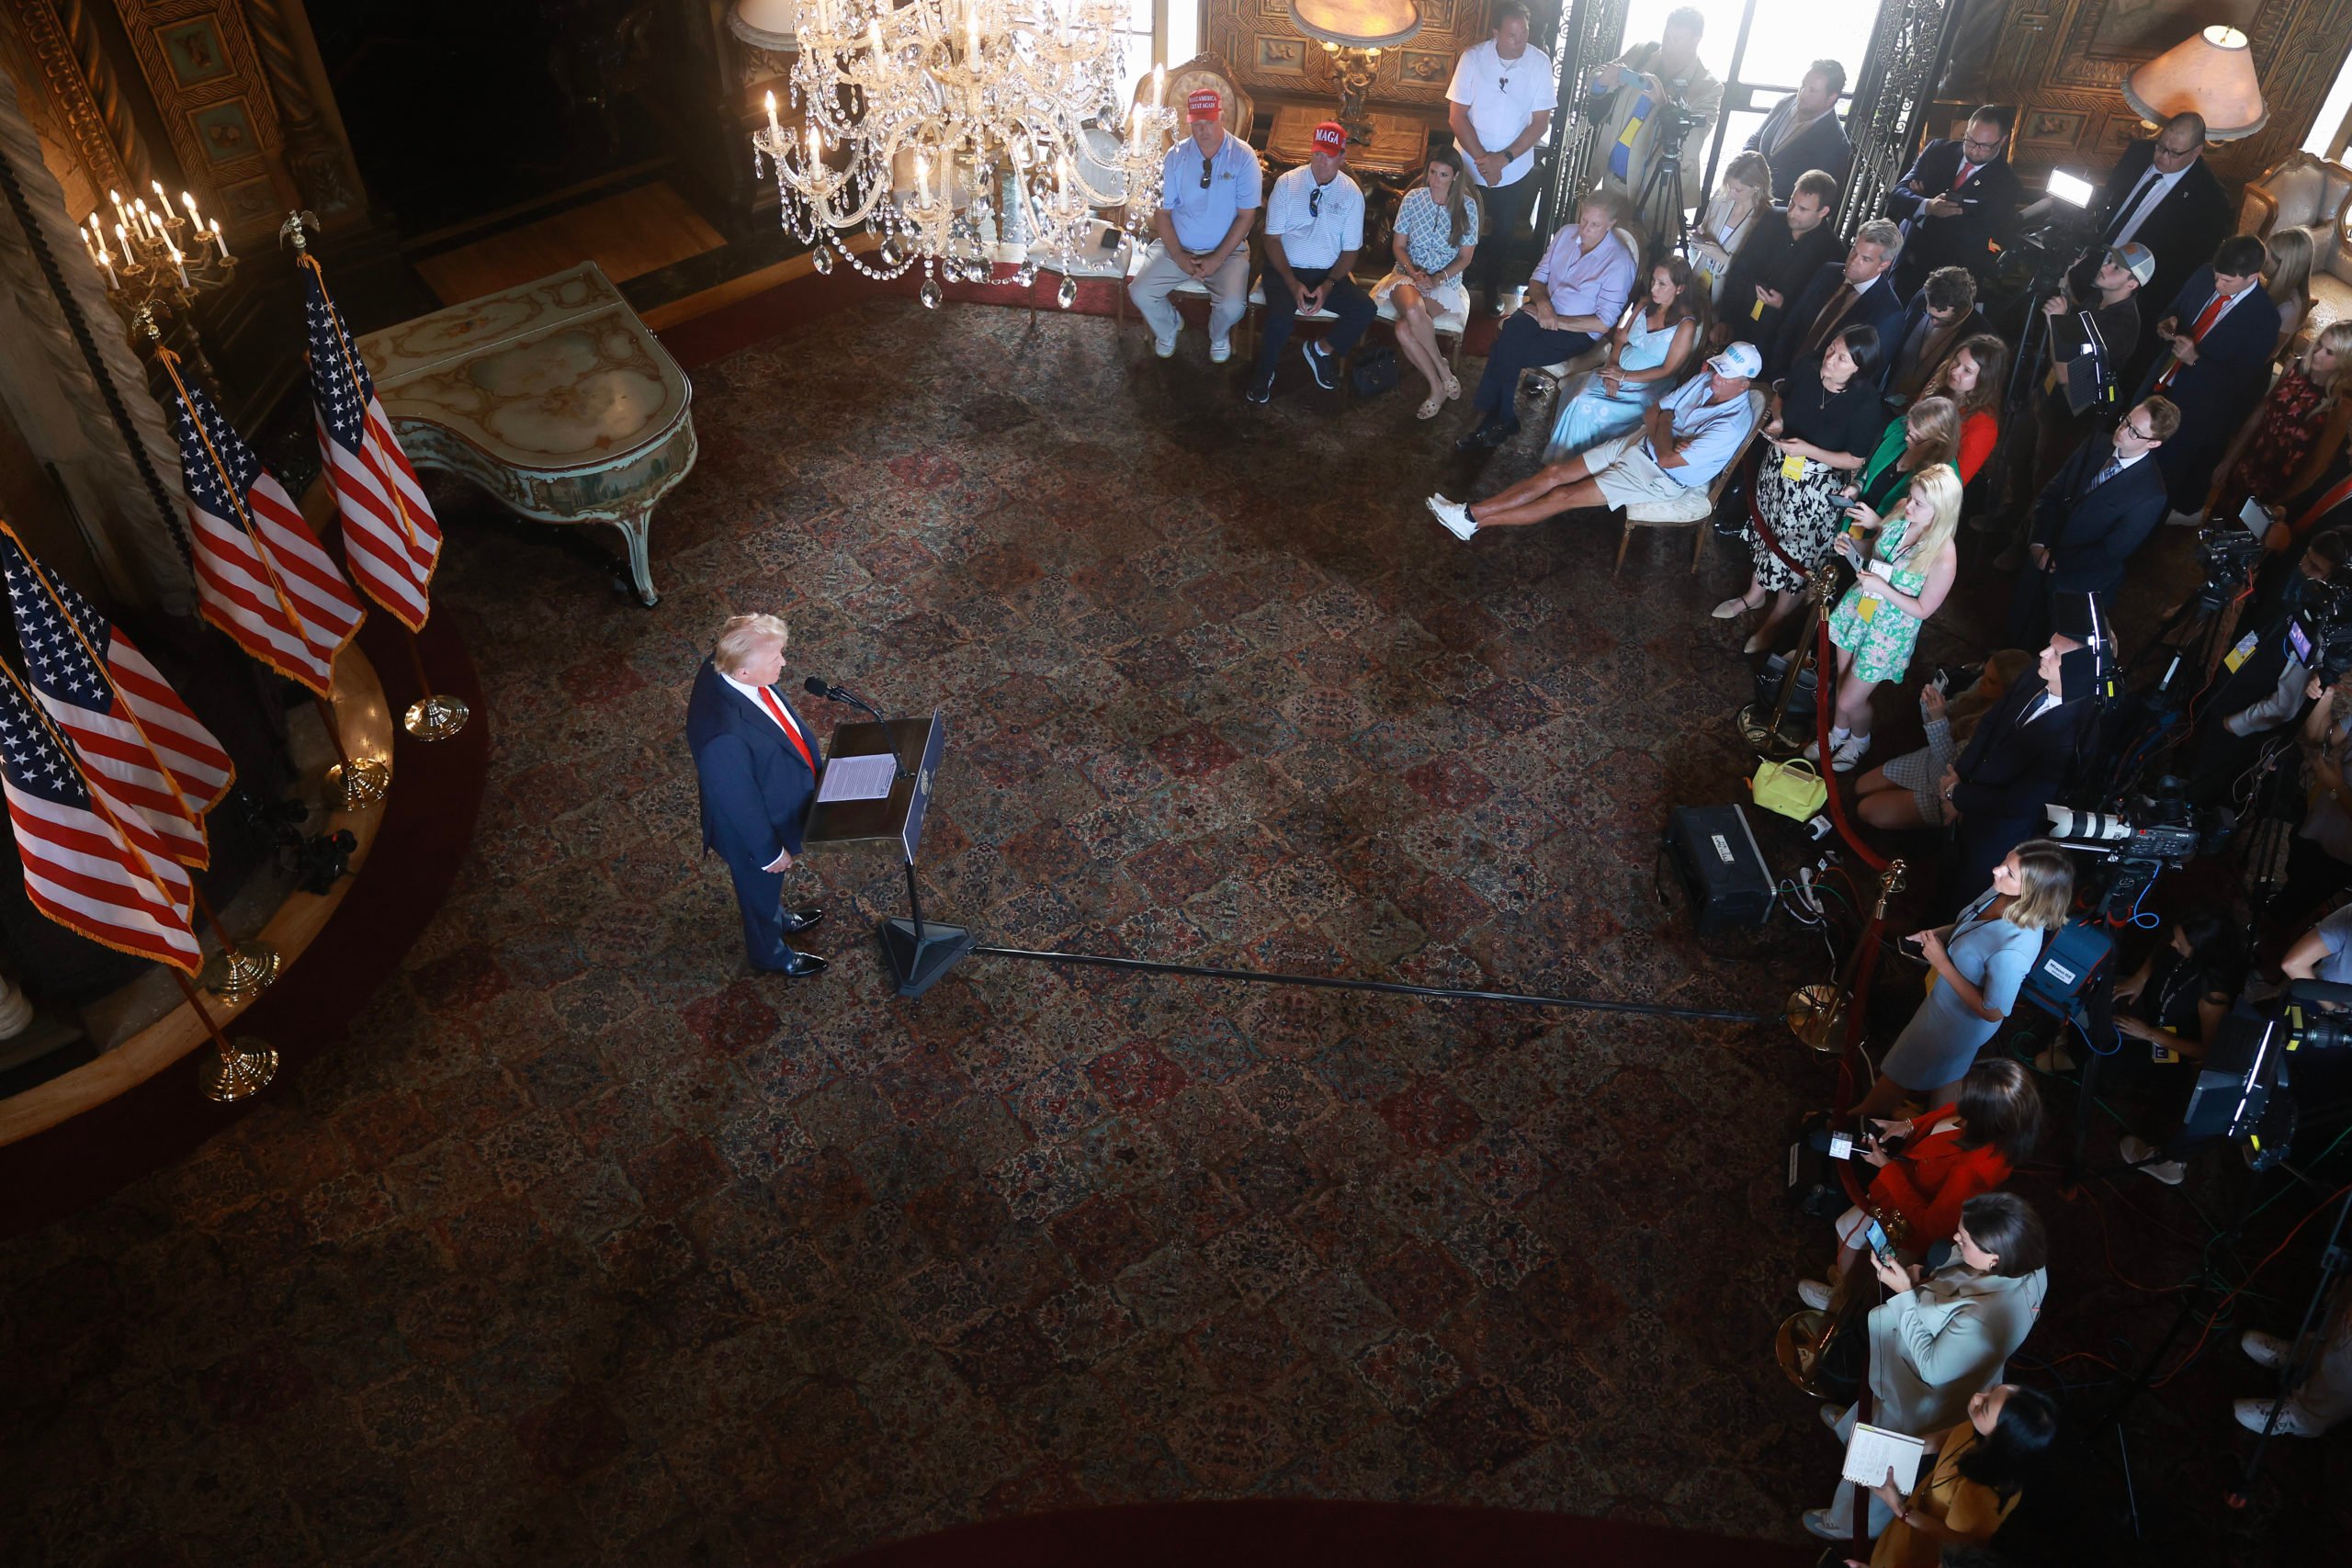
(960, 134)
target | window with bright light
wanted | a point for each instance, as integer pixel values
(1159, 32)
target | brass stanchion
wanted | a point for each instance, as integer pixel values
(436, 716)
(1765, 738)
(1815, 1011)
(241, 969)
(235, 1071)
(359, 782)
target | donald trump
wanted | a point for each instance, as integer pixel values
(757, 764)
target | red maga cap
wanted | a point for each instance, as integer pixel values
(1330, 137)
(1203, 103)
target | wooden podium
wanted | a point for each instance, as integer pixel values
(919, 951)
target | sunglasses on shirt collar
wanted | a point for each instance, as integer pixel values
(1206, 174)
(1314, 202)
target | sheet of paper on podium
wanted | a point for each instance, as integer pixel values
(1874, 1450)
(858, 778)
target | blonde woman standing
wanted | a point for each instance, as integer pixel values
(2287, 279)
(1901, 578)
(1744, 192)
(1437, 228)
(1979, 961)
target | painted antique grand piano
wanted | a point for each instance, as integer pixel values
(552, 396)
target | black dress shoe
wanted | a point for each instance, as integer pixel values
(798, 966)
(795, 920)
(1262, 389)
(1491, 435)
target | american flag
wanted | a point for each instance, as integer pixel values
(90, 864)
(122, 718)
(260, 575)
(390, 535)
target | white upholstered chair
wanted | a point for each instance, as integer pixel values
(2302, 191)
(1203, 69)
(1552, 376)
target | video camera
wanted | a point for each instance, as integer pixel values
(2244, 1090)
(2160, 832)
(2036, 262)
(2229, 555)
(2320, 637)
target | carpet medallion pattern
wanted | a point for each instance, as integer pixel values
(589, 1246)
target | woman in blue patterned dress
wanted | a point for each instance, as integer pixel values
(1648, 355)
(1901, 578)
(1437, 228)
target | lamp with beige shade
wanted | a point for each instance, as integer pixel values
(1355, 32)
(2211, 73)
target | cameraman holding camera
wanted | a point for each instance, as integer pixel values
(2093, 335)
(1650, 91)
(2266, 672)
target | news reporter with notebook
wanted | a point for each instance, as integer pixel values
(757, 764)
(1982, 1468)
(1940, 1338)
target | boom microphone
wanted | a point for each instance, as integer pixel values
(817, 686)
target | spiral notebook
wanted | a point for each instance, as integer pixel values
(1874, 1450)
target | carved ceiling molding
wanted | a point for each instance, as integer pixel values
(214, 99)
(67, 106)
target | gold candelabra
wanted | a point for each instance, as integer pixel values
(158, 260)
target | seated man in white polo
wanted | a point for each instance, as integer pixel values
(1665, 466)
(1211, 187)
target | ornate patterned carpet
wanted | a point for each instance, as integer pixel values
(587, 1245)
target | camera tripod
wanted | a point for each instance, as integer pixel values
(1665, 180)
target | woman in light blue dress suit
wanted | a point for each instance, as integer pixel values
(1979, 961)
(1649, 353)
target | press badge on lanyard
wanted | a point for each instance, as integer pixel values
(1791, 465)
(2242, 652)
(1866, 611)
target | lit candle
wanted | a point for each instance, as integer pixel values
(189, 202)
(218, 243)
(176, 267)
(874, 36)
(120, 216)
(815, 156)
(775, 127)
(122, 243)
(1160, 87)
(922, 180)
(972, 32)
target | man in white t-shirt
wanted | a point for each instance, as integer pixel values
(1499, 105)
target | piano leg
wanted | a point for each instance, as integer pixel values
(635, 527)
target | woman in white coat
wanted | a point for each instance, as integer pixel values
(1940, 1338)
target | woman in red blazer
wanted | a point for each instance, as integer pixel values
(1948, 1156)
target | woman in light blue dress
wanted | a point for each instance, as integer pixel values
(1979, 961)
(1647, 356)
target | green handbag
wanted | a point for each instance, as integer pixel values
(1793, 788)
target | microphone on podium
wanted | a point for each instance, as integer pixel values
(817, 686)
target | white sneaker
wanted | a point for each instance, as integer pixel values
(1816, 1520)
(1833, 1413)
(2142, 1155)
(1164, 347)
(1848, 752)
(2264, 1349)
(1455, 516)
(1815, 1293)
(2183, 520)
(1220, 350)
(2254, 1414)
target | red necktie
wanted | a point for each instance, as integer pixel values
(792, 731)
(1961, 178)
(2205, 320)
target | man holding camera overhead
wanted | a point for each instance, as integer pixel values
(1648, 87)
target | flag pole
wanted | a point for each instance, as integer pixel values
(361, 784)
(239, 970)
(433, 715)
(236, 1071)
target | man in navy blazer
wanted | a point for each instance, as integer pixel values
(1958, 200)
(2097, 509)
(1857, 292)
(2219, 335)
(2163, 194)
(1940, 317)
(758, 766)
(2018, 761)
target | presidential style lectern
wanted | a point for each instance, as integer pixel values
(919, 951)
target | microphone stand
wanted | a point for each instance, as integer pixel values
(817, 686)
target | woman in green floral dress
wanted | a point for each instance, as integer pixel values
(1902, 576)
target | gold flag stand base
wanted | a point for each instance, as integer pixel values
(1759, 731)
(435, 718)
(359, 784)
(1798, 1347)
(1814, 1013)
(236, 1070)
(244, 969)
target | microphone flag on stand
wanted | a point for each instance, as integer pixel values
(390, 538)
(261, 575)
(121, 717)
(90, 864)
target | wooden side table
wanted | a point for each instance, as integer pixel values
(1399, 147)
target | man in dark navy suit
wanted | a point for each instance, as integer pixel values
(2098, 507)
(2218, 337)
(2163, 194)
(1958, 200)
(757, 765)
(1856, 293)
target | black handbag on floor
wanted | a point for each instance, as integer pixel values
(1373, 372)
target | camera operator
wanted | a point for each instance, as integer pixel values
(2024, 752)
(2168, 1013)
(2322, 952)
(1958, 203)
(2319, 857)
(1941, 1339)
(1648, 89)
(2324, 1396)
(2263, 677)
(2093, 335)
(2162, 194)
